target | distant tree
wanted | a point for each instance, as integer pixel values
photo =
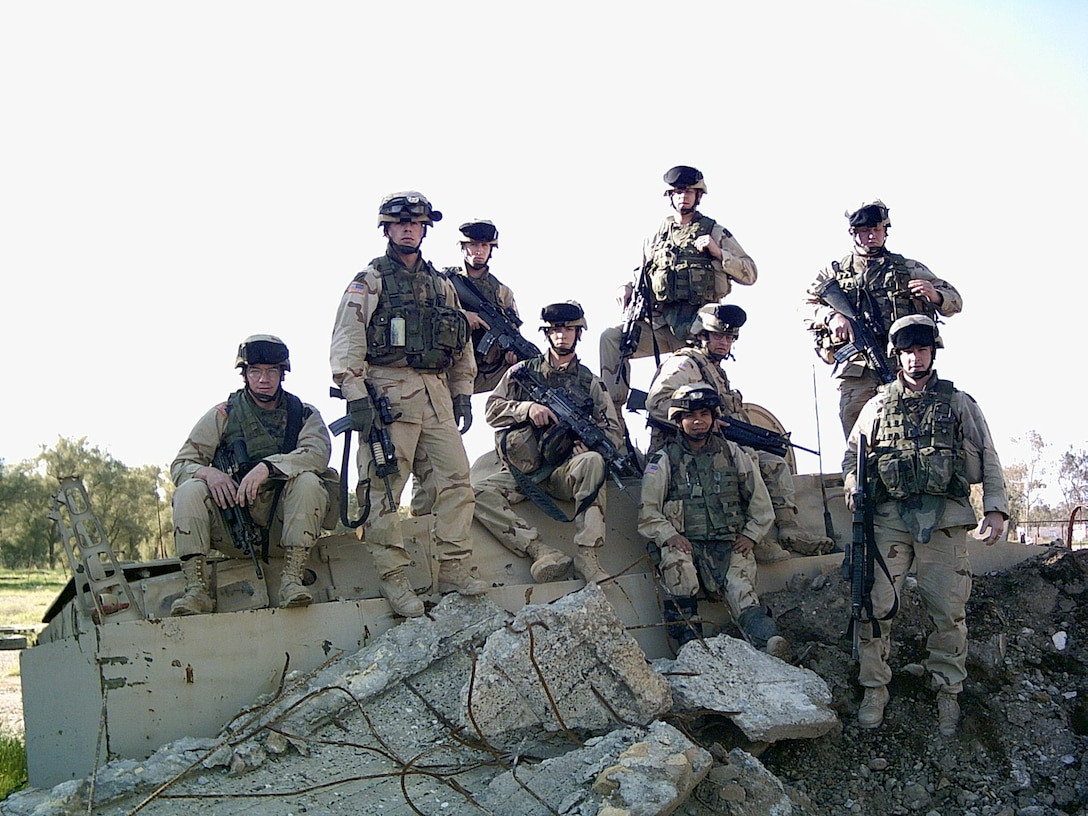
(26, 532)
(1024, 481)
(1073, 477)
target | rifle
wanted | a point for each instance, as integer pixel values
(865, 338)
(829, 524)
(503, 323)
(382, 451)
(637, 311)
(246, 534)
(563, 404)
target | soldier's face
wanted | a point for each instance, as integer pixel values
(683, 201)
(562, 338)
(869, 239)
(916, 361)
(405, 233)
(476, 253)
(697, 424)
(264, 380)
(719, 345)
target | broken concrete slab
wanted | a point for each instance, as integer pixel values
(629, 772)
(742, 786)
(568, 665)
(769, 700)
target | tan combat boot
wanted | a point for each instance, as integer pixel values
(793, 536)
(871, 713)
(400, 595)
(587, 565)
(196, 600)
(454, 576)
(548, 564)
(768, 551)
(948, 713)
(292, 591)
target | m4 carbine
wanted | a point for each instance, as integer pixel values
(382, 451)
(503, 323)
(638, 310)
(865, 340)
(247, 535)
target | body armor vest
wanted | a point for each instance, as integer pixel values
(918, 447)
(413, 323)
(556, 442)
(714, 376)
(488, 287)
(879, 287)
(265, 433)
(708, 487)
(680, 273)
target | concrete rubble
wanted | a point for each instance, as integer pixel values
(554, 710)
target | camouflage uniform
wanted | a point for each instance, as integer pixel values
(425, 426)
(883, 279)
(937, 435)
(672, 310)
(691, 366)
(573, 480)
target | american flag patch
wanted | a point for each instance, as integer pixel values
(651, 467)
(356, 288)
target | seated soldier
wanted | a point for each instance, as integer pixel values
(541, 456)
(713, 332)
(705, 506)
(286, 450)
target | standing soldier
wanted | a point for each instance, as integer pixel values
(285, 455)
(689, 261)
(400, 330)
(714, 330)
(531, 441)
(877, 283)
(705, 506)
(928, 442)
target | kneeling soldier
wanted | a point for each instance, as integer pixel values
(705, 505)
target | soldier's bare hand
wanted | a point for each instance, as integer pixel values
(704, 243)
(541, 415)
(579, 447)
(220, 485)
(743, 545)
(680, 543)
(510, 358)
(990, 528)
(624, 297)
(251, 483)
(924, 290)
(840, 328)
(475, 321)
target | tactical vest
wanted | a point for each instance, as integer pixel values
(883, 281)
(488, 287)
(413, 323)
(265, 433)
(918, 448)
(680, 273)
(556, 442)
(708, 487)
(713, 375)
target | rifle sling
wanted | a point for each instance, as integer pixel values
(345, 463)
(529, 483)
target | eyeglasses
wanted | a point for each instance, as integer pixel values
(255, 373)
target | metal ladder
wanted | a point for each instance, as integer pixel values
(100, 583)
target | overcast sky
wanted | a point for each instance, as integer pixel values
(175, 177)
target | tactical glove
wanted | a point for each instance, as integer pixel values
(462, 412)
(361, 412)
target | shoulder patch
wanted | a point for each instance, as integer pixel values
(356, 287)
(223, 409)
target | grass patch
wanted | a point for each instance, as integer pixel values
(12, 765)
(26, 594)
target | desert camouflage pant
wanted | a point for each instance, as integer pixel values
(198, 522)
(610, 357)
(725, 575)
(944, 584)
(574, 480)
(854, 392)
(438, 444)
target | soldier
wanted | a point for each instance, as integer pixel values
(689, 261)
(400, 328)
(705, 506)
(714, 330)
(928, 442)
(536, 449)
(288, 445)
(878, 282)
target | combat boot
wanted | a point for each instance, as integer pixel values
(454, 576)
(768, 551)
(292, 591)
(587, 565)
(548, 564)
(196, 600)
(871, 712)
(948, 713)
(682, 622)
(794, 537)
(402, 599)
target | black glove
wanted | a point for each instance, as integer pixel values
(361, 412)
(462, 412)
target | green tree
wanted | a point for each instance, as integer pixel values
(1073, 477)
(26, 532)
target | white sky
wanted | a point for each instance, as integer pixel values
(174, 177)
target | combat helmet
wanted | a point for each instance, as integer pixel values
(688, 398)
(870, 214)
(683, 177)
(717, 317)
(263, 349)
(567, 313)
(407, 206)
(479, 230)
(913, 330)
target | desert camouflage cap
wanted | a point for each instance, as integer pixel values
(870, 214)
(683, 177)
(567, 313)
(913, 330)
(407, 205)
(263, 349)
(480, 230)
(688, 398)
(718, 317)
